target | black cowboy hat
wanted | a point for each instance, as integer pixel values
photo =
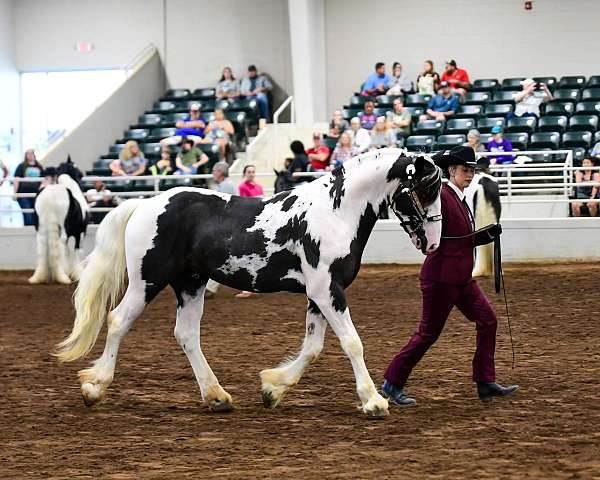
(50, 172)
(459, 155)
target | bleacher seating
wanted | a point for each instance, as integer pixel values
(570, 121)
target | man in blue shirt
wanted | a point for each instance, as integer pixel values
(377, 83)
(443, 105)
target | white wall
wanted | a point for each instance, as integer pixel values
(196, 38)
(490, 38)
(9, 85)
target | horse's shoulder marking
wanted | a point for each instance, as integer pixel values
(337, 186)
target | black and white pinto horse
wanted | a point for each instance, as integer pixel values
(307, 240)
(62, 214)
(486, 210)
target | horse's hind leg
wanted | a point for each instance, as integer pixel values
(41, 270)
(277, 381)
(190, 306)
(96, 379)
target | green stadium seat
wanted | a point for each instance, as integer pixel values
(429, 127)
(522, 124)
(594, 81)
(485, 138)
(592, 108)
(422, 143)
(386, 101)
(357, 101)
(204, 94)
(416, 99)
(504, 97)
(148, 120)
(460, 125)
(559, 108)
(542, 157)
(596, 137)
(540, 140)
(172, 118)
(212, 150)
(485, 125)
(587, 123)
(176, 94)
(484, 85)
(160, 133)
(444, 142)
(102, 164)
(139, 134)
(551, 82)
(330, 143)
(579, 154)
(160, 107)
(116, 148)
(477, 98)
(553, 123)
(519, 140)
(511, 84)
(498, 109)
(416, 112)
(151, 149)
(350, 113)
(468, 111)
(577, 81)
(567, 94)
(577, 139)
(590, 94)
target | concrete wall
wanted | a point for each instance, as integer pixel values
(196, 38)
(489, 38)
(523, 240)
(9, 86)
(92, 137)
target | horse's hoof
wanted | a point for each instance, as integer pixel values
(271, 397)
(92, 393)
(220, 406)
(35, 280)
(377, 408)
(64, 280)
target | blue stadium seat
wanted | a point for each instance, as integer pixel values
(485, 125)
(422, 143)
(460, 125)
(522, 124)
(577, 139)
(553, 123)
(587, 123)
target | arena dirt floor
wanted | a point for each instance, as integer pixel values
(152, 423)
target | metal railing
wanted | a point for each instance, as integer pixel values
(288, 101)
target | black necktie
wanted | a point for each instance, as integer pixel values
(464, 201)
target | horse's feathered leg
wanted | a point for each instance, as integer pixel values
(277, 381)
(190, 306)
(41, 270)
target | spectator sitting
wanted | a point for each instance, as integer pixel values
(400, 84)
(300, 161)
(318, 154)
(377, 83)
(189, 159)
(219, 131)
(457, 78)
(249, 188)
(106, 200)
(220, 173)
(28, 168)
(474, 141)
(596, 152)
(257, 86)
(361, 139)
(131, 161)
(499, 144)
(163, 165)
(96, 194)
(192, 127)
(443, 105)
(428, 80)
(529, 99)
(400, 119)
(587, 192)
(337, 125)
(343, 151)
(228, 87)
(368, 117)
(381, 135)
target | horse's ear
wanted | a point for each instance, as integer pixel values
(276, 172)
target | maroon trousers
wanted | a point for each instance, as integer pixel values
(438, 300)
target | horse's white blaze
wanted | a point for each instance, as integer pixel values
(433, 230)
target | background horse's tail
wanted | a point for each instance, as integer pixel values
(101, 282)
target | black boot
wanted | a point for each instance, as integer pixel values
(489, 390)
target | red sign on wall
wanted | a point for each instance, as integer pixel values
(84, 47)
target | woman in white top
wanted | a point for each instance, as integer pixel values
(529, 99)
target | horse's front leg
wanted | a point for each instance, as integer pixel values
(331, 300)
(276, 381)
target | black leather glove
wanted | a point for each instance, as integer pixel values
(488, 234)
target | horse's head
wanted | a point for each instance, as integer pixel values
(283, 181)
(70, 169)
(416, 202)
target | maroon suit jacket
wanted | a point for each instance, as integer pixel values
(452, 262)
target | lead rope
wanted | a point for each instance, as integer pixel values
(512, 345)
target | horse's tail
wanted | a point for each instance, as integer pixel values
(101, 282)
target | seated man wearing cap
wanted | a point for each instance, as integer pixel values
(446, 282)
(191, 127)
(443, 105)
(318, 155)
(457, 78)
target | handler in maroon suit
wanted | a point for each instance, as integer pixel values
(446, 282)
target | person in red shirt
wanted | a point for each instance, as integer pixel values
(458, 78)
(318, 155)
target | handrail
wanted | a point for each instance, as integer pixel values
(139, 58)
(282, 107)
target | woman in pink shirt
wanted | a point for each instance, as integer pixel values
(248, 188)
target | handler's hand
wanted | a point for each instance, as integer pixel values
(495, 230)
